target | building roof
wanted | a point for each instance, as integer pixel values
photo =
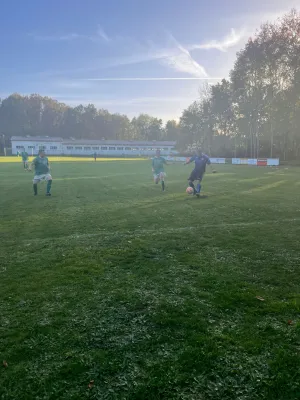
(36, 139)
(118, 142)
(154, 143)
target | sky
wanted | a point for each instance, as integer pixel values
(127, 56)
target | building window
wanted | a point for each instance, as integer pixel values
(87, 148)
(19, 147)
(31, 147)
(42, 147)
(111, 148)
(127, 148)
(165, 149)
(78, 148)
(103, 148)
(69, 147)
(53, 147)
(95, 148)
(120, 148)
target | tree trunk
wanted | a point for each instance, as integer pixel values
(251, 139)
(272, 140)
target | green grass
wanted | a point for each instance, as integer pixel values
(151, 295)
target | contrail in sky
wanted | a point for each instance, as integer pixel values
(155, 79)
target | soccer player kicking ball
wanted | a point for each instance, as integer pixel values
(25, 160)
(201, 160)
(42, 172)
(158, 170)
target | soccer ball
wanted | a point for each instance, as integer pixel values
(189, 190)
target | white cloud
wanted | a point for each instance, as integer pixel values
(181, 60)
(175, 56)
(224, 44)
(102, 34)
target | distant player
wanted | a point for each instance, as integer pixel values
(42, 172)
(95, 156)
(158, 170)
(201, 160)
(25, 159)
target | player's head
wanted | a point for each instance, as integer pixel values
(42, 153)
(199, 152)
(157, 153)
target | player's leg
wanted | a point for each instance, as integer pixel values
(162, 178)
(156, 178)
(191, 184)
(198, 188)
(191, 180)
(35, 181)
(49, 184)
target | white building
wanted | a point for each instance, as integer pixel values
(74, 147)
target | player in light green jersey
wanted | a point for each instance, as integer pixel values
(158, 170)
(25, 159)
(42, 172)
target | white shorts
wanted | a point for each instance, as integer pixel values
(161, 176)
(44, 177)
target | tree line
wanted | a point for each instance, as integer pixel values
(255, 113)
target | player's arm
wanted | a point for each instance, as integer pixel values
(32, 165)
(189, 161)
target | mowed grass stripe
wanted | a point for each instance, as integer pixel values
(161, 231)
(264, 187)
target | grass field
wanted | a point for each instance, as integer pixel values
(111, 289)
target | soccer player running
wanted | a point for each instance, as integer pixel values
(158, 170)
(42, 172)
(201, 160)
(25, 159)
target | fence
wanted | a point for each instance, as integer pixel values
(235, 161)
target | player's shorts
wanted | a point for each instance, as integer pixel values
(160, 175)
(44, 177)
(196, 175)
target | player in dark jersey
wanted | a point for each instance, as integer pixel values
(201, 160)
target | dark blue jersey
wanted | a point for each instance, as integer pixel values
(200, 162)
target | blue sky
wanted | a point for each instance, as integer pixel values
(128, 56)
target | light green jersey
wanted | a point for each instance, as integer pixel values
(24, 155)
(158, 164)
(41, 165)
